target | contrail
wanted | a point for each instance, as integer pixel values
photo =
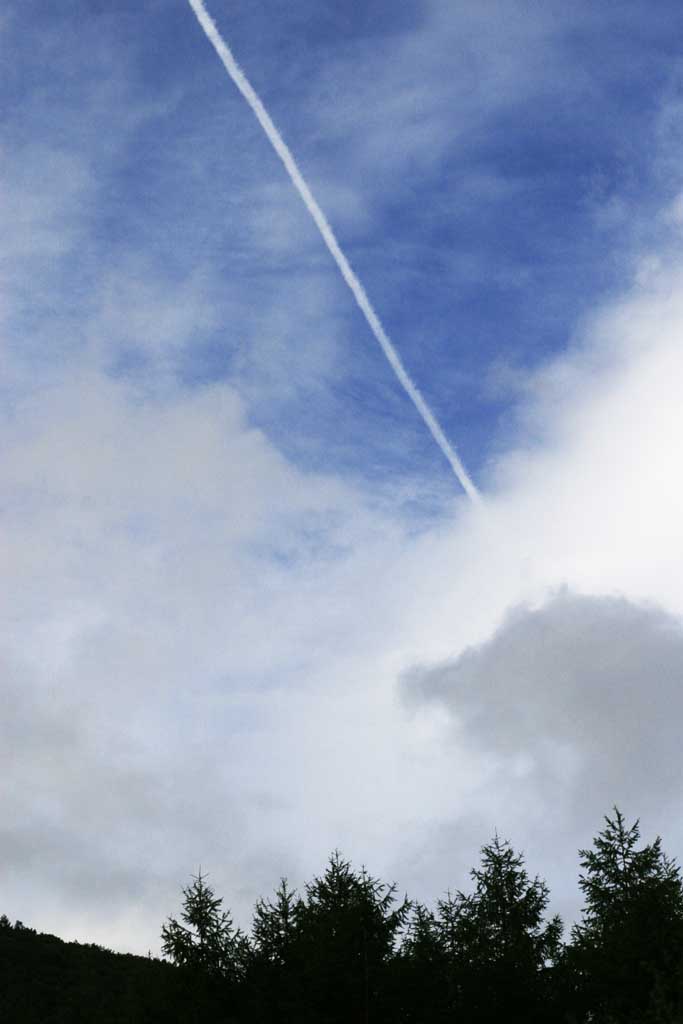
(359, 294)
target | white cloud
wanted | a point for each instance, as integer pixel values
(140, 310)
(231, 710)
(231, 632)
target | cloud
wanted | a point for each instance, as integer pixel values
(205, 640)
(577, 701)
(545, 716)
(45, 195)
(170, 640)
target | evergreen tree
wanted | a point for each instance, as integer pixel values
(206, 940)
(272, 965)
(423, 976)
(626, 952)
(274, 925)
(501, 949)
(346, 929)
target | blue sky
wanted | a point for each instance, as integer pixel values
(224, 526)
(483, 171)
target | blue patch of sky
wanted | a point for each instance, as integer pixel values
(278, 27)
(460, 279)
(206, 361)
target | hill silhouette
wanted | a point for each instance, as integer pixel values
(44, 980)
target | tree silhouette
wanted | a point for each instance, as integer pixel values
(207, 940)
(272, 971)
(424, 978)
(347, 926)
(626, 952)
(501, 948)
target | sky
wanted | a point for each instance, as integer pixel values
(247, 614)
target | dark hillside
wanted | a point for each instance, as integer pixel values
(48, 981)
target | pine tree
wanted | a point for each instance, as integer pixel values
(347, 927)
(501, 949)
(207, 939)
(274, 925)
(423, 977)
(273, 967)
(626, 952)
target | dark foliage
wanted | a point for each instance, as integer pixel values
(46, 981)
(348, 950)
(338, 938)
(485, 956)
(626, 952)
(206, 941)
(503, 951)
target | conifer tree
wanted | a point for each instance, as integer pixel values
(273, 967)
(422, 971)
(207, 939)
(347, 927)
(626, 952)
(501, 948)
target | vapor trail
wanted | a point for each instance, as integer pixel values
(374, 323)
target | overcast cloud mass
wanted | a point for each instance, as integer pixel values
(246, 616)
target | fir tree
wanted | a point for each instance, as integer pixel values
(273, 967)
(207, 939)
(347, 928)
(274, 925)
(423, 975)
(626, 952)
(501, 948)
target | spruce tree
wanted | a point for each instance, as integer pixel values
(626, 952)
(273, 966)
(274, 924)
(423, 976)
(206, 940)
(347, 928)
(501, 949)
